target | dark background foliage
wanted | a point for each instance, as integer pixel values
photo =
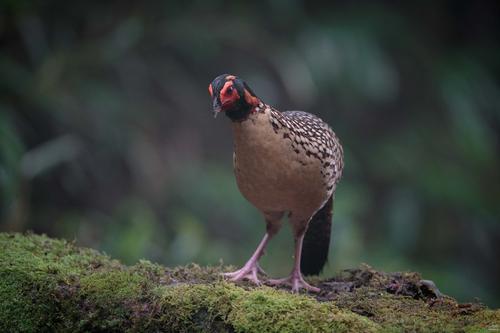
(106, 134)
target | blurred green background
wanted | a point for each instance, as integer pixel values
(107, 137)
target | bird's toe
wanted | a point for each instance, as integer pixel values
(295, 282)
(245, 273)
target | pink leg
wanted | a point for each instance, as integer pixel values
(251, 268)
(295, 280)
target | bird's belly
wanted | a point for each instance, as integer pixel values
(275, 178)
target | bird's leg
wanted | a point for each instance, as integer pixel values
(251, 268)
(295, 279)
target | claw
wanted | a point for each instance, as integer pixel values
(260, 270)
(251, 269)
(247, 272)
(296, 282)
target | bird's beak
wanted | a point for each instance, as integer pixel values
(216, 107)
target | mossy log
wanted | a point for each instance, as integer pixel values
(53, 285)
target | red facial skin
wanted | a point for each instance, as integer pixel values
(251, 100)
(228, 95)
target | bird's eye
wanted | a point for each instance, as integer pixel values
(229, 90)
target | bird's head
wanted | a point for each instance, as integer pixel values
(232, 96)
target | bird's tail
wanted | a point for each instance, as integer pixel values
(317, 240)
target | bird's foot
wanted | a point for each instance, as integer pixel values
(260, 270)
(247, 272)
(296, 282)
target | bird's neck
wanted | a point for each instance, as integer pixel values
(245, 109)
(239, 114)
(255, 127)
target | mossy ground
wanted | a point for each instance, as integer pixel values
(53, 285)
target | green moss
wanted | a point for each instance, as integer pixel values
(260, 310)
(115, 286)
(402, 313)
(269, 310)
(53, 285)
(31, 270)
(483, 321)
(109, 297)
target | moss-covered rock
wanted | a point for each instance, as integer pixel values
(53, 285)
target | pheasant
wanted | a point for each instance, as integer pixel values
(285, 163)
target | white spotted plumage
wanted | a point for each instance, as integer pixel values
(315, 137)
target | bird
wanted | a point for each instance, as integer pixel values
(286, 164)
